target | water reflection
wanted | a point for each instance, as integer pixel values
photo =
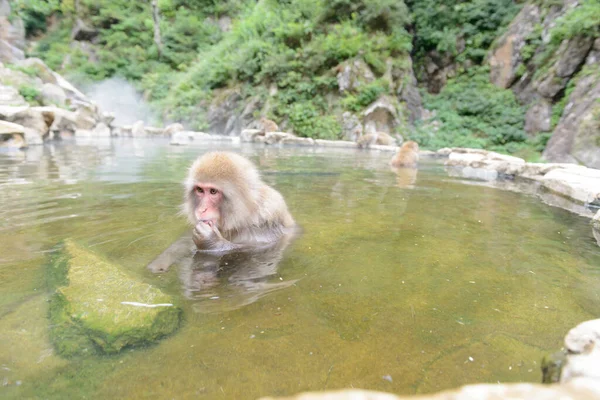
(233, 280)
(405, 177)
(406, 274)
(224, 281)
(490, 178)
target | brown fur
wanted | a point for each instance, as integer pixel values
(381, 138)
(268, 125)
(251, 210)
(407, 156)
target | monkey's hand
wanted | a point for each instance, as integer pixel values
(207, 237)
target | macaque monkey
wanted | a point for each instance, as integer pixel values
(407, 156)
(268, 125)
(381, 138)
(230, 207)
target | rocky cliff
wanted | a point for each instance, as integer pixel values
(36, 103)
(338, 70)
(549, 57)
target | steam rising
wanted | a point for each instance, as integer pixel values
(118, 96)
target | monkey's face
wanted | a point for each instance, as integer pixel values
(208, 204)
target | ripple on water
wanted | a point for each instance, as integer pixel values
(416, 277)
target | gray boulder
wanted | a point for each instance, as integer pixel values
(353, 74)
(101, 130)
(10, 96)
(538, 117)
(33, 118)
(53, 95)
(173, 128)
(41, 69)
(576, 138)
(137, 129)
(12, 135)
(381, 116)
(352, 128)
(228, 115)
(570, 56)
(505, 57)
(408, 92)
(10, 53)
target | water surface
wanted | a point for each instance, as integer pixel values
(401, 283)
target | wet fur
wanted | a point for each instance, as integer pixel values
(251, 210)
(407, 156)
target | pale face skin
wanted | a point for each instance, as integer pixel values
(209, 199)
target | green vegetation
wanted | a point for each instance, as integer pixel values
(294, 46)
(290, 45)
(284, 55)
(30, 94)
(583, 20)
(465, 29)
(474, 113)
(35, 13)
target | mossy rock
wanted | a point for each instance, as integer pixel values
(97, 308)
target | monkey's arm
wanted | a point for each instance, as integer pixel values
(208, 237)
(180, 249)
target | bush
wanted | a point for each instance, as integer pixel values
(30, 94)
(473, 113)
(583, 20)
(35, 13)
(366, 94)
(440, 24)
(306, 121)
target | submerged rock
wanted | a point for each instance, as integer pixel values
(96, 307)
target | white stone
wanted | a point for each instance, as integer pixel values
(249, 135)
(187, 137)
(298, 141)
(53, 95)
(382, 147)
(464, 158)
(173, 128)
(10, 128)
(154, 131)
(335, 143)
(581, 184)
(275, 137)
(137, 130)
(33, 137)
(101, 130)
(583, 344)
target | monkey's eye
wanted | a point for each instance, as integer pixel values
(199, 189)
(213, 191)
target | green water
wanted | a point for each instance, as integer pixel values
(406, 284)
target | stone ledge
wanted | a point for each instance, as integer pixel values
(578, 389)
(577, 183)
